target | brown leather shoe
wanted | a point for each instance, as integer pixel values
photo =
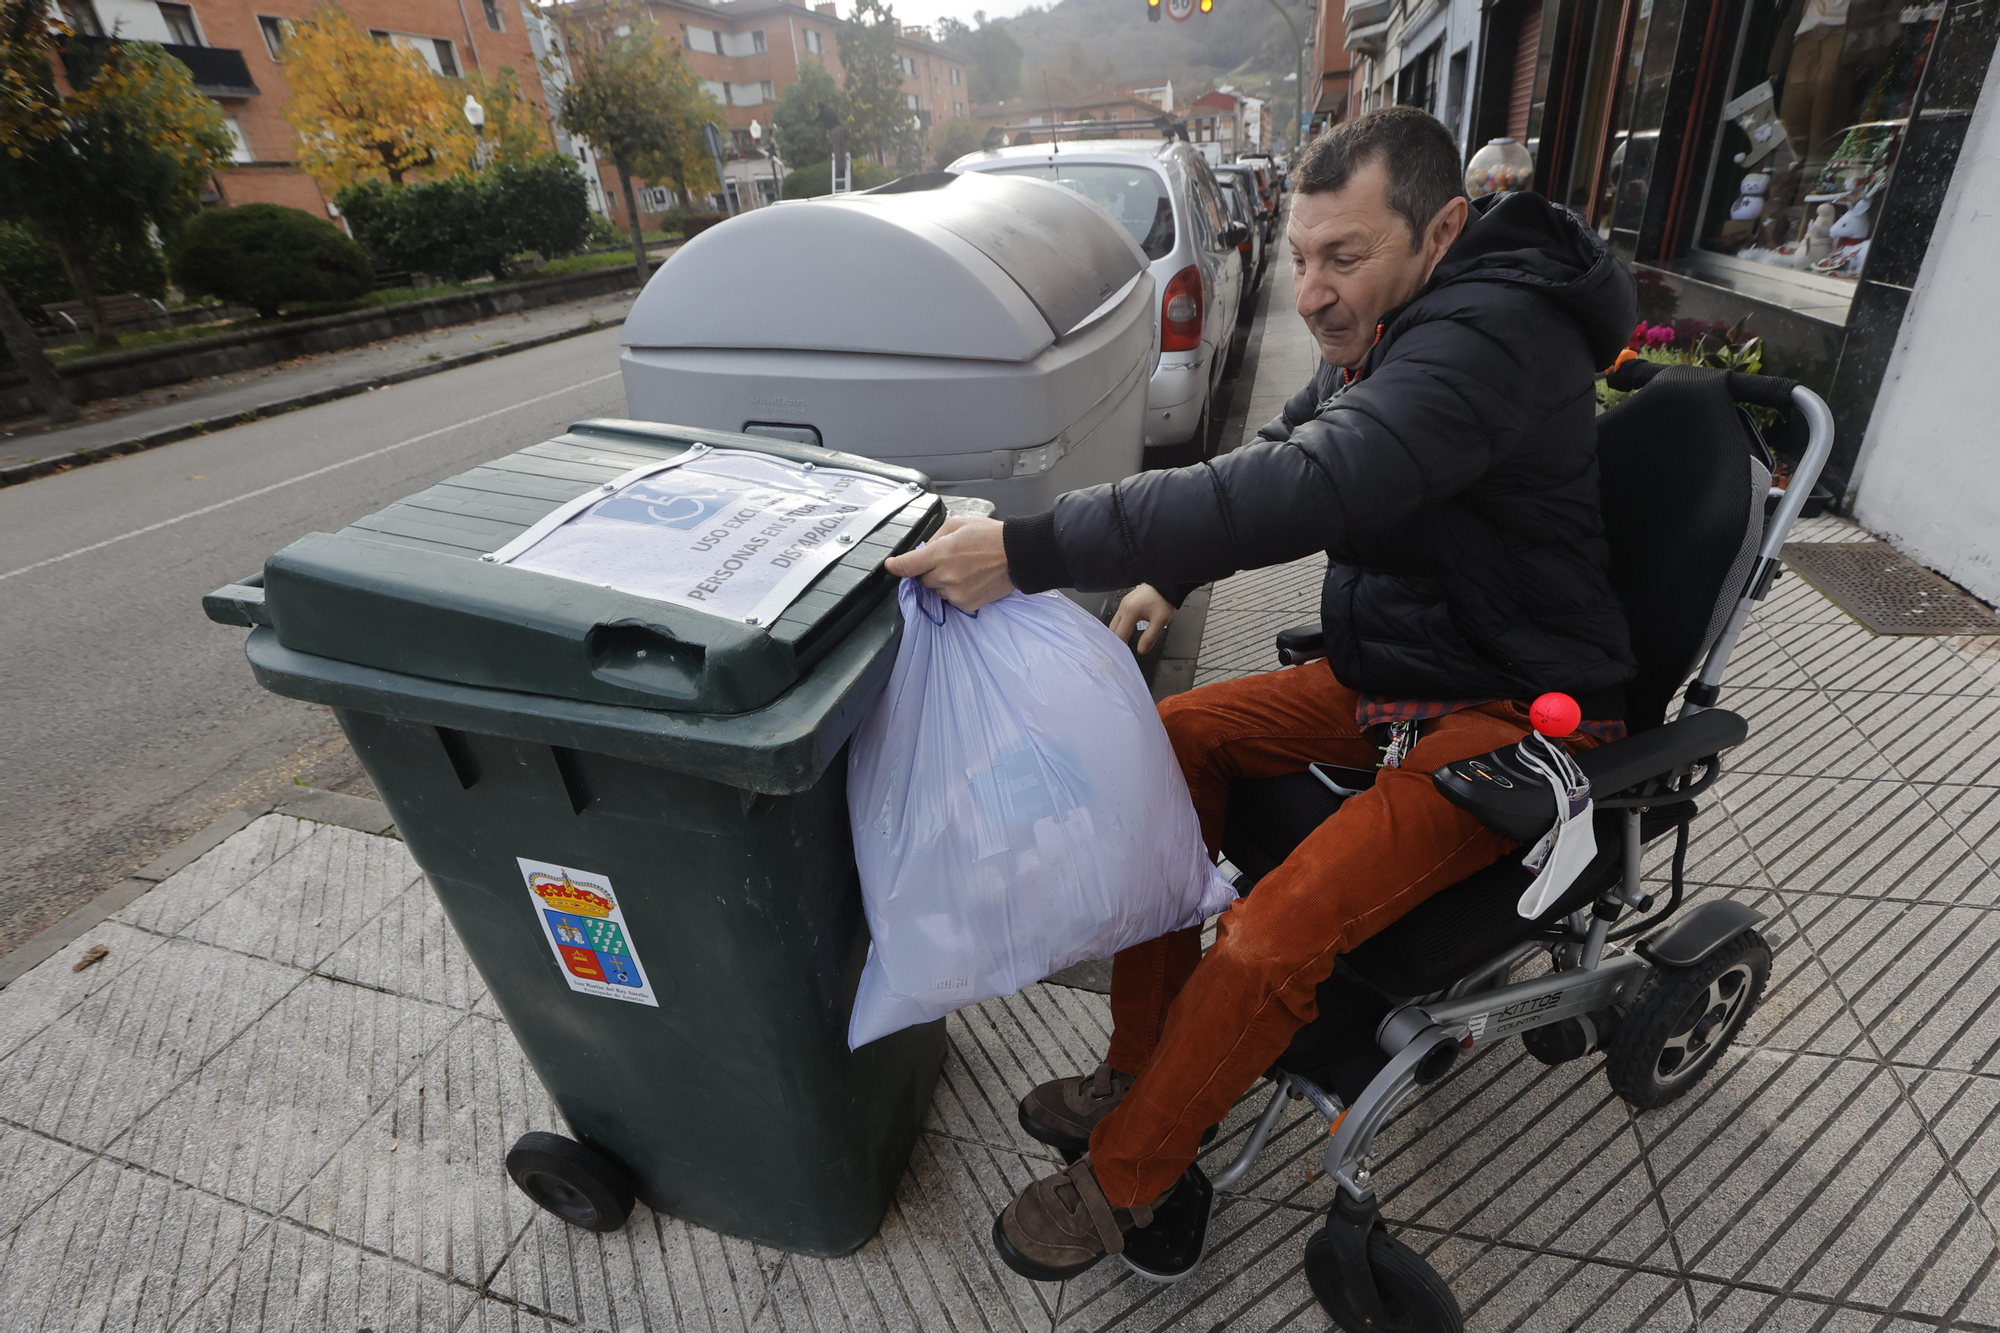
(1062, 1225)
(1063, 1111)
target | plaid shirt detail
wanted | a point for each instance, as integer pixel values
(1374, 710)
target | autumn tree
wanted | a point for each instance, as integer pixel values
(126, 149)
(363, 108)
(879, 118)
(627, 91)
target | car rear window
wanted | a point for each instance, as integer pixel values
(1135, 196)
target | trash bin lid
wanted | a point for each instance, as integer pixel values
(980, 266)
(546, 572)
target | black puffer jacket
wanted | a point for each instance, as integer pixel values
(1453, 484)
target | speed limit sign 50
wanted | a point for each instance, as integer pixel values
(1178, 10)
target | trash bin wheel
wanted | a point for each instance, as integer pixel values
(1683, 1019)
(580, 1185)
(1414, 1298)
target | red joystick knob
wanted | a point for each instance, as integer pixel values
(1555, 715)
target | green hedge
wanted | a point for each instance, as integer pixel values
(465, 226)
(267, 256)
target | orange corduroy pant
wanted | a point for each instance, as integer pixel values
(1199, 1029)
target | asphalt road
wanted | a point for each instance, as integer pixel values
(127, 720)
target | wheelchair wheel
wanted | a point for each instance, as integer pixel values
(1414, 1298)
(1684, 1019)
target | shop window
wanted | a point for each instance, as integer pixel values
(1609, 166)
(1820, 102)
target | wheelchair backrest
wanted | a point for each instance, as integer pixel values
(1684, 484)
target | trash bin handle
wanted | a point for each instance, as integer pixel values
(239, 603)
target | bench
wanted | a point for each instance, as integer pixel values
(122, 312)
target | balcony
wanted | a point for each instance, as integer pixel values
(218, 71)
(1368, 27)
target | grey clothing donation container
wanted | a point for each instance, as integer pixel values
(995, 332)
(604, 685)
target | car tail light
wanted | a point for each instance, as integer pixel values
(1180, 312)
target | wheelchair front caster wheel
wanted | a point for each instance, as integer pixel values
(1683, 1020)
(578, 1184)
(1414, 1299)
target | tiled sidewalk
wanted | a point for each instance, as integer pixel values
(281, 1100)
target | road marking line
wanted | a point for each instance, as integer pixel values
(304, 476)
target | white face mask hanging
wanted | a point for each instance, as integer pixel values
(1567, 848)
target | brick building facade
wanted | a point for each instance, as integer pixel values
(234, 49)
(748, 52)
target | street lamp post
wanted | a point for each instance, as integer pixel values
(475, 116)
(757, 137)
(1299, 93)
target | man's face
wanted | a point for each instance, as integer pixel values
(1353, 260)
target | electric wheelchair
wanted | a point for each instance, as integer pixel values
(1695, 528)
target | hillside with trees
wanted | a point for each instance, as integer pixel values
(1080, 46)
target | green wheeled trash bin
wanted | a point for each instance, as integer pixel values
(604, 685)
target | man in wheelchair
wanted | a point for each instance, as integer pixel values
(1446, 457)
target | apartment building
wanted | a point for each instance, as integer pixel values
(235, 51)
(747, 52)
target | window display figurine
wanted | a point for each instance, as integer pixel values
(1819, 235)
(1749, 205)
(1853, 225)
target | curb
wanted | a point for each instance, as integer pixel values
(19, 473)
(311, 804)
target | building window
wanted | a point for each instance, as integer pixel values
(239, 150)
(958, 108)
(274, 35)
(770, 93)
(757, 41)
(1809, 138)
(703, 40)
(907, 65)
(910, 100)
(717, 89)
(181, 29)
(81, 15)
(954, 76)
(447, 58)
(493, 15)
(813, 43)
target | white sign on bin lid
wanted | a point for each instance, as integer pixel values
(726, 531)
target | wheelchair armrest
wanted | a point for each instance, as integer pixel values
(1301, 643)
(1663, 750)
(1514, 801)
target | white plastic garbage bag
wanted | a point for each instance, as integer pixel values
(1016, 808)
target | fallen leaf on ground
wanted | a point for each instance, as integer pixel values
(94, 954)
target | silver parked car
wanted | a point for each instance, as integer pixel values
(1166, 196)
